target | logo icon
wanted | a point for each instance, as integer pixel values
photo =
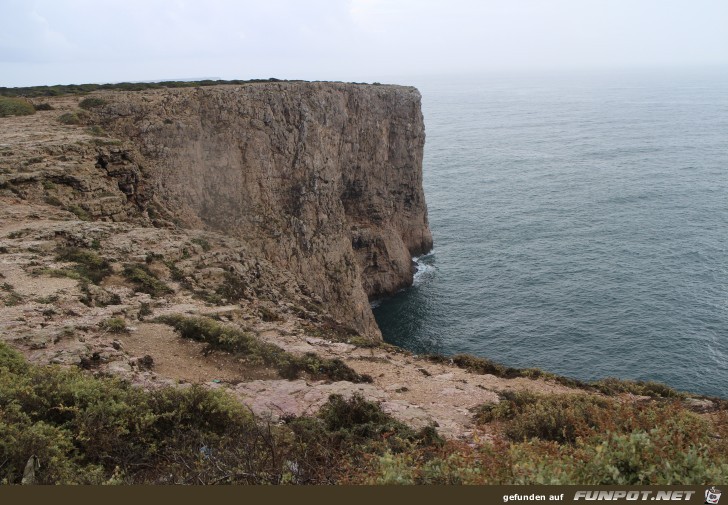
(712, 496)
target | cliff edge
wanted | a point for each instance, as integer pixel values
(322, 179)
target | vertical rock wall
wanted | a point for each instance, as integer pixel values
(325, 179)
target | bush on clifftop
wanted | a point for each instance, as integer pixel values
(15, 107)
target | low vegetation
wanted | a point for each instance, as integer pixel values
(613, 387)
(608, 386)
(202, 242)
(233, 288)
(15, 107)
(82, 89)
(577, 439)
(145, 280)
(478, 365)
(80, 212)
(91, 103)
(88, 264)
(86, 430)
(9, 296)
(69, 118)
(256, 352)
(114, 325)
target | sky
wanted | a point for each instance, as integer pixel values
(78, 41)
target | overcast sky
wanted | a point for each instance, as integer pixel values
(75, 41)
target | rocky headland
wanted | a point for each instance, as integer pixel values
(233, 236)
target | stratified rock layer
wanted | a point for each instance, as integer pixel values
(324, 179)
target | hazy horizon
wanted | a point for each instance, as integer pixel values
(77, 41)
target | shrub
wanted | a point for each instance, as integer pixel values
(96, 131)
(86, 431)
(612, 386)
(269, 315)
(69, 118)
(114, 325)
(88, 264)
(91, 103)
(202, 242)
(233, 288)
(565, 418)
(144, 310)
(89, 430)
(576, 440)
(360, 418)
(43, 106)
(145, 281)
(15, 107)
(53, 200)
(80, 212)
(12, 298)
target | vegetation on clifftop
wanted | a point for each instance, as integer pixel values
(15, 107)
(609, 386)
(255, 351)
(85, 430)
(97, 430)
(576, 439)
(82, 89)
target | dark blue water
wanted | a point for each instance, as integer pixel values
(580, 225)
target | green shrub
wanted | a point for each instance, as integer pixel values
(88, 264)
(60, 272)
(233, 288)
(618, 443)
(269, 315)
(114, 325)
(360, 418)
(88, 431)
(145, 281)
(612, 386)
(96, 131)
(15, 107)
(91, 103)
(80, 212)
(566, 417)
(53, 200)
(12, 298)
(202, 242)
(43, 106)
(144, 310)
(69, 118)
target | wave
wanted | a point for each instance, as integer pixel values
(424, 267)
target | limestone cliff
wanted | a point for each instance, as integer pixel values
(323, 179)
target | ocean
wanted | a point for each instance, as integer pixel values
(580, 224)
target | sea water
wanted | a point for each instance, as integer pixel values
(580, 223)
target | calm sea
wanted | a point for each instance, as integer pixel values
(580, 225)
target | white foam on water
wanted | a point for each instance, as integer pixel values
(424, 268)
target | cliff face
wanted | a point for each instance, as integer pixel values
(323, 179)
